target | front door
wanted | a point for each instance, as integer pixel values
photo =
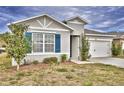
(75, 47)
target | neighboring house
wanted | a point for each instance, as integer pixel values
(119, 39)
(50, 37)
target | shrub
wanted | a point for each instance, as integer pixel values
(3, 46)
(50, 60)
(84, 49)
(116, 49)
(54, 59)
(61, 70)
(35, 62)
(123, 51)
(63, 58)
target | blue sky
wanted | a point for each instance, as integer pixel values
(99, 18)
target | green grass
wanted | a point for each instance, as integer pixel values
(63, 74)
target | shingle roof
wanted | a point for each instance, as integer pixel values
(118, 34)
(88, 31)
(115, 33)
(83, 20)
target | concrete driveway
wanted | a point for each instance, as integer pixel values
(109, 60)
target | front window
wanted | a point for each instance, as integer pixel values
(49, 42)
(38, 42)
(43, 42)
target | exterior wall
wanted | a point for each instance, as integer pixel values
(79, 28)
(99, 38)
(123, 44)
(39, 57)
(65, 49)
(57, 28)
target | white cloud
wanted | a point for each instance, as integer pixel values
(3, 19)
(74, 9)
(69, 14)
(120, 19)
(111, 9)
(105, 24)
(6, 15)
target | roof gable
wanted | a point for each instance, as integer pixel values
(76, 20)
(44, 21)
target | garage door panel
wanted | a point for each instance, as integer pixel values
(100, 48)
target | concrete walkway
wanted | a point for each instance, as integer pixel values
(82, 62)
(109, 60)
(104, 60)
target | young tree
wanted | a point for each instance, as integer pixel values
(116, 49)
(84, 49)
(17, 46)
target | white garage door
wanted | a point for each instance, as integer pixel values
(100, 48)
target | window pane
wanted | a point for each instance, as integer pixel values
(38, 37)
(49, 47)
(49, 38)
(38, 48)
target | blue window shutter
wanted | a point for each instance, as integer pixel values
(28, 36)
(57, 43)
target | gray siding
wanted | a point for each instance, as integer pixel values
(79, 28)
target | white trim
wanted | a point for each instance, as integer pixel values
(44, 22)
(50, 43)
(38, 31)
(54, 43)
(102, 40)
(49, 24)
(40, 23)
(79, 48)
(61, 23)
(61, 42)
(47, 53)
(2, 48)
(75, 22)
(41, 16)
(40, 28)
(43, 45)
(99, 35)
(32, 44)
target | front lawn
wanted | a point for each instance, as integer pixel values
(5, 61)
(63, 74)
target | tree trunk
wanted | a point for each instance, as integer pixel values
(17, 67)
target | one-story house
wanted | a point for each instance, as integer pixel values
(50, 37)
